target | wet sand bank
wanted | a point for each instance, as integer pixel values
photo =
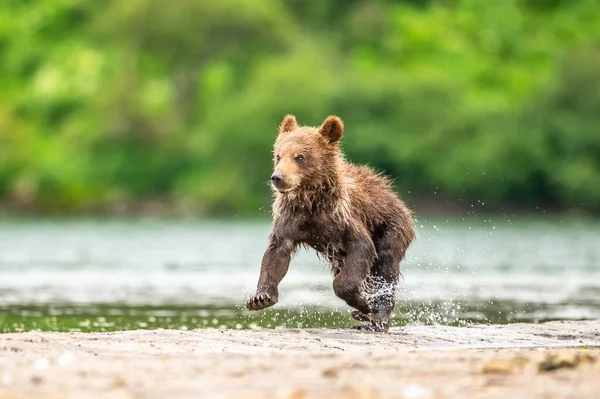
(556, 359)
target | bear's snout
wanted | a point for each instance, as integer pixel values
(277, 180)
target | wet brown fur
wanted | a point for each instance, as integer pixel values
(347, 213)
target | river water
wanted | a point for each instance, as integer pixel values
(89, 275)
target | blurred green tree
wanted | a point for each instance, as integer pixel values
(109, 104)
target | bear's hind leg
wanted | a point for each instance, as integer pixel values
(348, 284)
(349, 287)
(384, 280)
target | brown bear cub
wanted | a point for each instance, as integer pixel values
(347, 213)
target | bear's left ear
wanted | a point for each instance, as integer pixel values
(288, 124)
(332, 129)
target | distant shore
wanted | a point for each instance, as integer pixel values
(426, 206)
(555, 359)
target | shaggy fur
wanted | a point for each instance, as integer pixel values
(347, 213)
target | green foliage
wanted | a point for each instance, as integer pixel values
(120, 102)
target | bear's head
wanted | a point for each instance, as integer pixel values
(306, 158)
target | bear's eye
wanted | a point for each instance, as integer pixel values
(300, 158)
(277, 158)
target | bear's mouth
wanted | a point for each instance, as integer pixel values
(283, 190)
(280, 185)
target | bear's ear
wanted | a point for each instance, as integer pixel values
(288, 124)
(332, 129)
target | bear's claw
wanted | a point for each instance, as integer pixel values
(373, 327)
(260, 301)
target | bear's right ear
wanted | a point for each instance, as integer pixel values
(332, 129)
(289, 124)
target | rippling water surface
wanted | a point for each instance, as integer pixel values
(83, 275)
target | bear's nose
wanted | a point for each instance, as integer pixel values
(277, 179)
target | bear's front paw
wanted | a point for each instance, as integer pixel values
(260, 301)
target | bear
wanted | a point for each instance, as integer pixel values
(348, 213)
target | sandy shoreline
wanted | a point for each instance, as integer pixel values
(515, 360)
